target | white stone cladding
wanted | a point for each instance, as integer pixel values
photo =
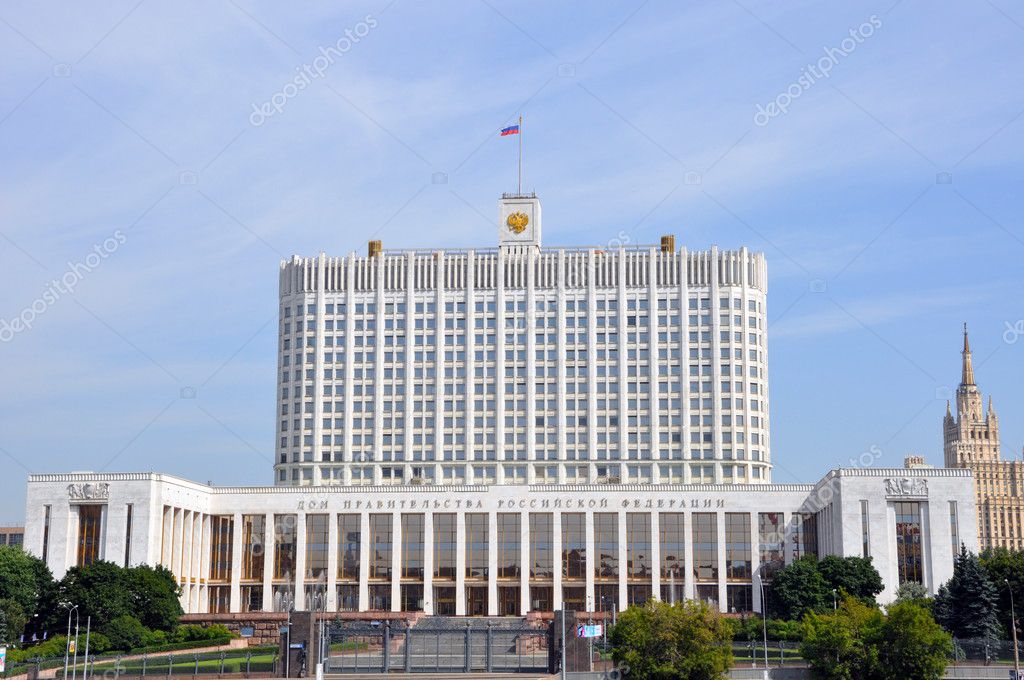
(172, 520)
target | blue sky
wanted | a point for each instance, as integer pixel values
(886, 197)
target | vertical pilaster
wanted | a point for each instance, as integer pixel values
(236, 562)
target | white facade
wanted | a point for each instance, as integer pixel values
(524, 365)
(718, 543)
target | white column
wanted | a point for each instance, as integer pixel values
(524, 563)
(720, 523)
(556, 559)
(268, 562)
(655, 556)
(588, 523)
(492, 564)
(396, 561)
(755, 560)
(688, 586)
(622, 538)
(333, 541)
(300, 561)
(236, 563)
(364, 561)
(460, 564)
(428, 563)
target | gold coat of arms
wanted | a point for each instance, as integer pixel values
(517, 222)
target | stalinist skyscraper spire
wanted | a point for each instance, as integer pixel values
(971, 440)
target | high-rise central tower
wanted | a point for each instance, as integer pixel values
(524, 365)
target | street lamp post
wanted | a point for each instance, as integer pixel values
(67, 643)
(764, 616)
(835, 603)
(1013, 627)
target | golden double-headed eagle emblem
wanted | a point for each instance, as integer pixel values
(517, 222)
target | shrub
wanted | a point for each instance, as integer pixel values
(125, 632)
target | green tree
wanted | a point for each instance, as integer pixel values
(26, 580)
(856, 576)
(911, 645)
(966, 605)
(1005, 569)
(155, 597)
(912, 591)
(659, 641)
(106, 591)
(12, 620)
(837, 645)
(799, 589)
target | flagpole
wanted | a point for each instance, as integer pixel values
(520, 155)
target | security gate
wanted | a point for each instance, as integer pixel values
(442, 646)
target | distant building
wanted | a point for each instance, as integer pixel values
(971, 440)
(916, 463)
(12, 535)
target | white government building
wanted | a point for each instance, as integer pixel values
(501, 431)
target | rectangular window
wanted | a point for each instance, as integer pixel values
(284, 547)
(672, 538)
(574, 547)
(541, 546)
(805, 534)
(412, 555)
(348, 550)
(219, 599)
(771, 536)
(737, 546)
(380, 555)
(444, 549)
(865, 534)
(606, 545)
(127, 535)
(705, 547)
(221, 528)
(908, 541)
(954, 528)
(412, 593)
(254, 529)
(638, 547)
(739, 598)
(316, 548)
(90, 523)
(476, 548)
(508, 547)
(46, 532)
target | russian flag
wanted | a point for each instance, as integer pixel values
(510, 130)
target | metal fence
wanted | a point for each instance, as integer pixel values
(431, 647)
(243, 662)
